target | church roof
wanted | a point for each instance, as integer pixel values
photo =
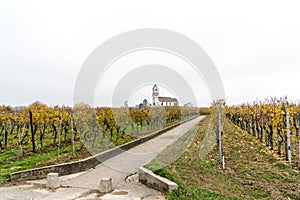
(167, 99)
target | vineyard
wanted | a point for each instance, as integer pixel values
(40, 135)
(249, 163)
(274, 122)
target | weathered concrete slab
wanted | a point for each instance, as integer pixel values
(152, 180)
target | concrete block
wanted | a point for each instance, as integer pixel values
(105, 185)
(157, 182)
(52, 181)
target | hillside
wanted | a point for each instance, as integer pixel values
(251, 171)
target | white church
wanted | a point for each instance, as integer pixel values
(162, 101)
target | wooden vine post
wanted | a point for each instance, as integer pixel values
(72, 132)
(220, 134)
(288, 127)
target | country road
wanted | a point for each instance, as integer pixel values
(83, 185)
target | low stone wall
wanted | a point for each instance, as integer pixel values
(154, 181)
(61, 169)
(85, 164)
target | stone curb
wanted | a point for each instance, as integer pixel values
(87, 163)
(155, 181)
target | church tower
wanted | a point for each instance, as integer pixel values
(155, 94)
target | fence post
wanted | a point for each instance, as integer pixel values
(72, 131)
(220, 134)
(299, 156)
(288, 127)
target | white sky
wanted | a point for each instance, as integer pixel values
(255, 45)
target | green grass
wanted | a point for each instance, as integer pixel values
(33, 160)
(186, 192)
(196, 193)
(165, 173)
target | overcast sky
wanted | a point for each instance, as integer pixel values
(255, 45)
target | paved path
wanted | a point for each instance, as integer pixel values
(83, 185)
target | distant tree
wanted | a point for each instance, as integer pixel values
(145, 103)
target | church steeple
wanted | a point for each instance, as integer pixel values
(155, 94)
